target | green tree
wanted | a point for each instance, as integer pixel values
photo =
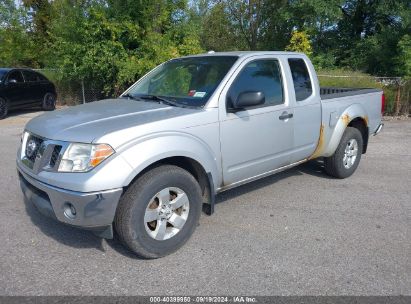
(112, 47)
(299, 42)
(17, 48)
(219, 33)
(41, 11)
(113, 42)
(368, 33)
(404, 57)
(317, 18)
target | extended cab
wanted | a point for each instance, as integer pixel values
(148, 162)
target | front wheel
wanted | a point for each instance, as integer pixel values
(49, 102)
(159, 212)
(346, 158)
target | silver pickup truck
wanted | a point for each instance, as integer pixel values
(145, 164)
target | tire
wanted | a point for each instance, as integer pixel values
(142, 202)
(49, 102)
(346, 158)
(4, 108)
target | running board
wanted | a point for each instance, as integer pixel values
(262, 175)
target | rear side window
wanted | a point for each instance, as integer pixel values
(41, 77)
(15, 75)
(260, 75)
(30, 76)
(301, 78)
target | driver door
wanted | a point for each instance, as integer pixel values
(259, 139)
(15, 88)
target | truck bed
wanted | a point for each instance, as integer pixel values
(335, 92)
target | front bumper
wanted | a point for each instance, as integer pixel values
(93, 210)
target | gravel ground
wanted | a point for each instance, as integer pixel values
(295, 233)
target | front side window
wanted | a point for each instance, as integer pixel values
(301, 79)
(259, 76)
(187, 81)
(15, 75)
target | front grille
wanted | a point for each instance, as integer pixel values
(41, 154)
(33, 145)
(55, 156)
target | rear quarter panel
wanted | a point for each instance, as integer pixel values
(337, 113)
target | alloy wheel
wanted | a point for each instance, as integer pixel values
(350, 153)
(166, 213)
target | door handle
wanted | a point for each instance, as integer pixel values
(285, 115)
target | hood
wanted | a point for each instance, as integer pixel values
(85, 123)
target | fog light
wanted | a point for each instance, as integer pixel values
(69, 211)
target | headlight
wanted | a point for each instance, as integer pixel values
(84, 157)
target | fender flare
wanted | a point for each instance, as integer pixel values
(145, 151)
(349, 114)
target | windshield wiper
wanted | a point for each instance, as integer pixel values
(161, 100)
(130, 96)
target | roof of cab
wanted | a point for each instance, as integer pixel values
(245, 53)
(20, 69)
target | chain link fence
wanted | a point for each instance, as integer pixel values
(77, 92)
(73, 92)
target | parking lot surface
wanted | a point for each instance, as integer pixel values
(295, 233)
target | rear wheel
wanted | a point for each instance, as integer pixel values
(49, 102)
(4, 108)
(346, 158)
(159, 212)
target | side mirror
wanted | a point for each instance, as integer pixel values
(248, 99)
(12, 81)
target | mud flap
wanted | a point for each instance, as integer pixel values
(104, 232)
(208, 207)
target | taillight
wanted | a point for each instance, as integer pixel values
(382, 103)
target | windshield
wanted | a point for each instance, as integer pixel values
(186, 81)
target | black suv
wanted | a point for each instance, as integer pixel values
(20, 88)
